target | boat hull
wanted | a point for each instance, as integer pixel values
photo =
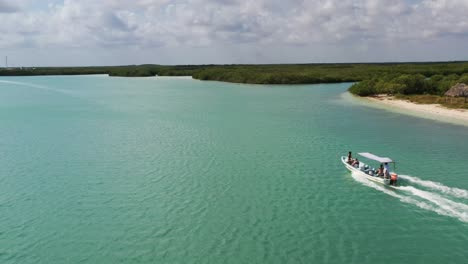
(363, 174)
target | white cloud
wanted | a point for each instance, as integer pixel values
(146, 24)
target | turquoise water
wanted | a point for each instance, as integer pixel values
(117, 170)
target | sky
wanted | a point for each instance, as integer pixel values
(113, 32)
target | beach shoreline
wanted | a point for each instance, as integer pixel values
(428, 111)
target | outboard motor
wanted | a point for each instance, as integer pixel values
(393, 179)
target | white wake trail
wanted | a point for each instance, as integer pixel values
(403, 198)
(460, 193)
(449, 207)
(438, 204)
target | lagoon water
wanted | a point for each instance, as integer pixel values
(96, 169)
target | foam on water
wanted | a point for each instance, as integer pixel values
(444, 206)
(460, 193)
(427, 200)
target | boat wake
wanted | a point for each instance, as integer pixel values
(437, 186)
(428, 195)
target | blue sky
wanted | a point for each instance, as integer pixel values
(116, 32)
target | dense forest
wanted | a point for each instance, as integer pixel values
(431, 78)
(124, 71)
(408, 84)
(30, 71)
(324, 73)
(266, 74)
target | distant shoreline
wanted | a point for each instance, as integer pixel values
(428, 111)
(259, 73)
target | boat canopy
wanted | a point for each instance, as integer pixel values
(376, 158)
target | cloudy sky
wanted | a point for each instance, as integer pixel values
(112, 32)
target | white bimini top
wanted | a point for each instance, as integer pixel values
(376, 158)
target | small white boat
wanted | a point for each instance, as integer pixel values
(366, 171)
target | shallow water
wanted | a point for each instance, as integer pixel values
(106, 170)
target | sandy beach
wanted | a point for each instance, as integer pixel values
(430, 111)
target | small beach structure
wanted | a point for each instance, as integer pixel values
(458, 90)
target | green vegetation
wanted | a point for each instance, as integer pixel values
(275, 73)
(325, 73)
(408, 84)
(30, 71)
(456, 102)
(152, 70)
(126, 71)
(433, 78)
(283, 74)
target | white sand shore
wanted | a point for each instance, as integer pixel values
(430, 111)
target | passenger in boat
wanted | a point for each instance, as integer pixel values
(386, 170)
(380, 171)
(355, 163)
(350, 158)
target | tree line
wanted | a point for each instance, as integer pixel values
(408, 84)
(370, 78)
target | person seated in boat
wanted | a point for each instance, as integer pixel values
(380, 171)
(355, 163)
(386, 170)
(350, 158)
